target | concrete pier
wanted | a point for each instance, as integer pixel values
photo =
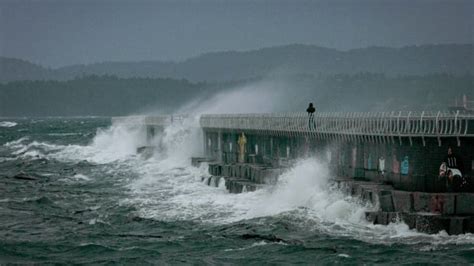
(390, 159)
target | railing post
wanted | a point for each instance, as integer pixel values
(437, 129)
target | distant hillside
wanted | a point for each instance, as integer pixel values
(454, 59)
(12, 69)
(96, 95)
(109, 95)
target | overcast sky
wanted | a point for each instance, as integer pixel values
(56, 33)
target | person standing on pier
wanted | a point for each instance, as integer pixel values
(310, 110)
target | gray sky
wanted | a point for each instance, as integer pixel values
(56, 33)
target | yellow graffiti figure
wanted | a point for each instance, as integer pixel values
(242, 141)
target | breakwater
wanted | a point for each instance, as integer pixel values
(389, 159)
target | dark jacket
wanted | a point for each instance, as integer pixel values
(310, 109)
(453, 161)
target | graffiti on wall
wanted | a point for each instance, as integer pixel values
(242, 141)
(404, 166)
(382, 165)
(354, 157)
(395, 165)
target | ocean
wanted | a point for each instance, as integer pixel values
(89, 198)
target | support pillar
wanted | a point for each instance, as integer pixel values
(219, 146)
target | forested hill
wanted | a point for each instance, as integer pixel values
(112, 96)
(96, 95)
(454, 59)
(12, 69)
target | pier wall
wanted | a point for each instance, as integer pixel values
(390, 160)
(401, 149)
(405, 153)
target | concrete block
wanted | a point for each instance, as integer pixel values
(243, 171)
(371, 175)
(409, 219)
(465, 204)
(250, 171)
(431, 224)
(385, 201)
(366, 195)
(225, 170)
(254, 177)
(402, 201)
(359, 174)
(469, 224)
(371, 217)
(233, 186)
(357, 190)
(345, 187)
(421, 202)
(456, 225)
(214, 181)
(258, 177)
(210, 168)
(382, 218)
(393, 217)
(444, 203)
(247, 171)
(263, 175)
(236, 170)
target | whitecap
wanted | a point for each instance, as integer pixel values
(81, 177)
(7, 124)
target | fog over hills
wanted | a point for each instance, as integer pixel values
(454, 59)
(428, 77)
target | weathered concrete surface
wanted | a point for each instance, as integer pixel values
(431, 223)
(244, 177)
(382, 218)
(402, 201)
(197, 161)
(424, 222)
(258, 174)
(457, 225)
(409, 218)
(443, 203)
(425, 212)
(386, 201)
(235, 185)
(465, 203)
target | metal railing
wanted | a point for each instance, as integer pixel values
(347, 125)
(336, 125)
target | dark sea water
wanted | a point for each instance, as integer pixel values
(93, 200)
